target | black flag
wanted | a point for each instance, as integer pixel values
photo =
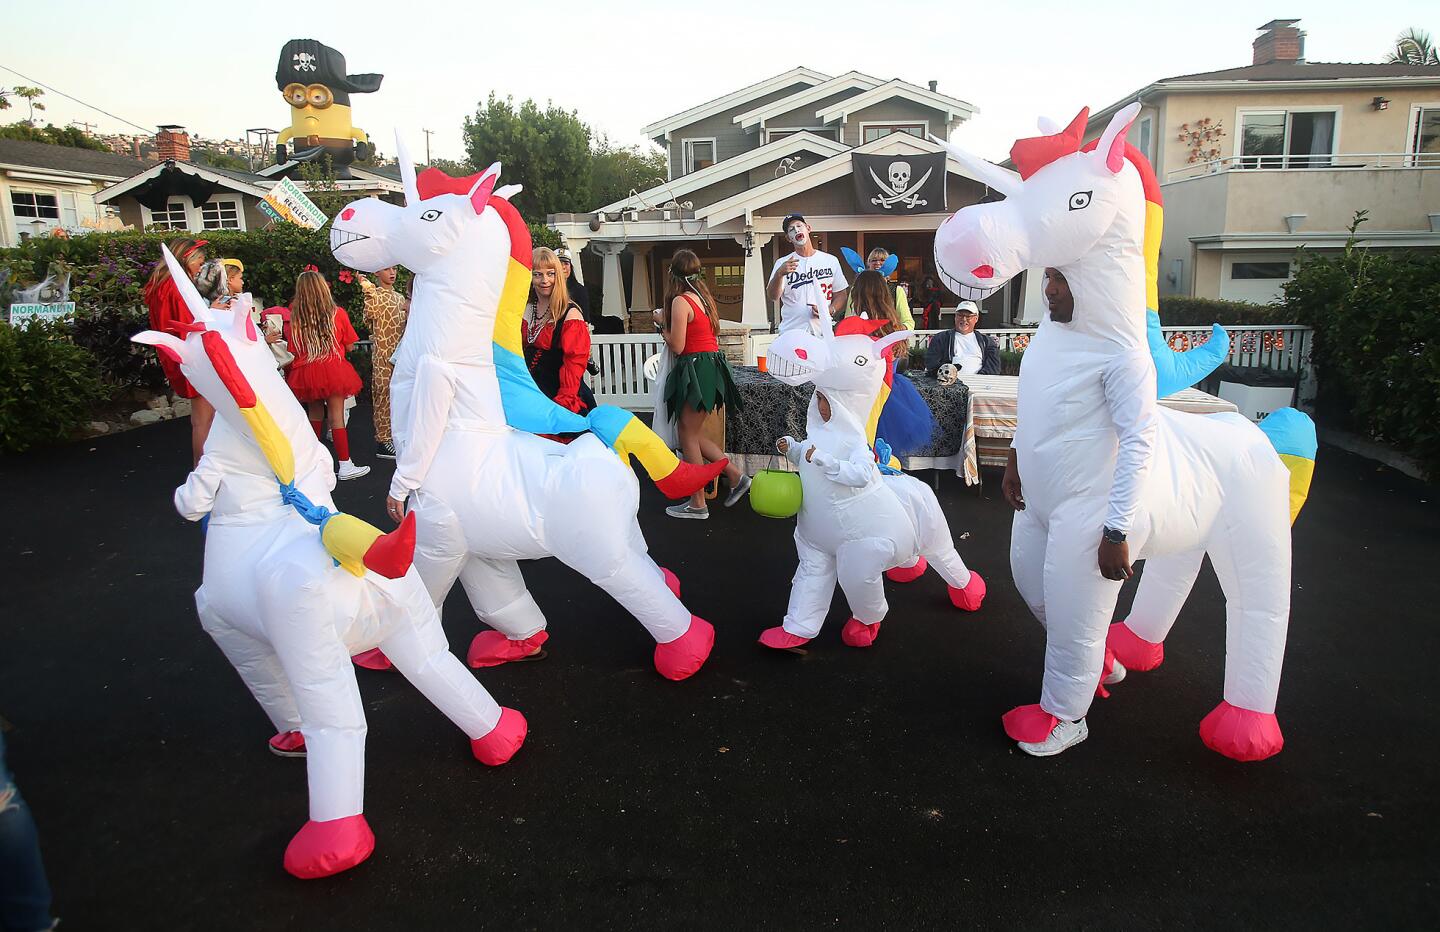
(899, 184)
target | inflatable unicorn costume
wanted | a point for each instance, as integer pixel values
(856, 520)
(487, 491)
(1096, 451)
(292, 589)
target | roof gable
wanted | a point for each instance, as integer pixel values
(800, 75)
(756, 117)
(952, 107)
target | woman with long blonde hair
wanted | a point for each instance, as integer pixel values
(700, 380)
(320, 334)
(556, 337)
(167, 308)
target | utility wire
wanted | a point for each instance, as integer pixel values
(78, 100)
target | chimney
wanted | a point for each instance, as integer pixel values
(933, 85)
(1279, 42)
(172, 142)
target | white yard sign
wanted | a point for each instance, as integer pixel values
(287, 202)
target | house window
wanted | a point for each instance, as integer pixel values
(698, 154)
(171, 218)
(873, 131)
(32, 205)
(1260, 271)
(69, 210)
(220, 215)
(1425, 140)
(1144, 135)
(1287, 139)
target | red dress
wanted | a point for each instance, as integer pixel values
(699, 338)
(325, 376)
(559, 370)
(167, 307)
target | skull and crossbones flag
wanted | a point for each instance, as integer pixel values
(899, 184)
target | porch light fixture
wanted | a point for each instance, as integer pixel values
(1381, 103)
(749, 242)
(595, 222)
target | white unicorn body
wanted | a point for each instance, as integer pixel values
(1095, 450)
(273, 597)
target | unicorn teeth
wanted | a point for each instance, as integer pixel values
(339, 237)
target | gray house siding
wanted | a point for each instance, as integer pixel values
(894, 110)
(730, 140)
(805, 116)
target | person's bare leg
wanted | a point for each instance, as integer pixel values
(713, 454)
(202, 415)
(692, 420)
(335, 410)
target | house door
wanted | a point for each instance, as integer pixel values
(726, 278)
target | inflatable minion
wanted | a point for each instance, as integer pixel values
(312, 78)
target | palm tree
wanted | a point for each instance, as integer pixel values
(1413, 47)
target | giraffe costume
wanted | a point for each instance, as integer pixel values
(385, 316)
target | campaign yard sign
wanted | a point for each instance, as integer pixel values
(20, 313)
(287, 202)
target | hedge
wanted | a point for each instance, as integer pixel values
(1184, 311)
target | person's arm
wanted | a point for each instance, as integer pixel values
(790, 448)
(345, 333)
(777, 277)
(855, 471)
(679, 324)
(195, 499)
(430, 400)
(1129, 383)
(574, 340)
(937, 353)
(990, 355)
(902, 310)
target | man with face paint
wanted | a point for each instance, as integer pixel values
(808, 282)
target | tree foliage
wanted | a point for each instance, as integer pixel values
(1413, 47)
(618, 170)
(548, 151)
(217, 159)
(52, 135)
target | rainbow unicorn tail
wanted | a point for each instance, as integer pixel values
(1293, 436)
(628, 436)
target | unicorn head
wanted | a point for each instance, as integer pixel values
(1080, 209)
(848, 368)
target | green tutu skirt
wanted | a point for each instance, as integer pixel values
(702, 381)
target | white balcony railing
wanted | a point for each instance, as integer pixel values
(1335, 162)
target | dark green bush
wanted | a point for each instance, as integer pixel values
(105, 334)
(48, 385)
(1183, 311)
(1377, 343)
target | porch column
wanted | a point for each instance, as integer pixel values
(755, 308)
(576, 245)
(640, 299)
(614, 302)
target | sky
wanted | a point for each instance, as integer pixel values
(622, 66)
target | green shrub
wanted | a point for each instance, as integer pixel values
(1376, 349)
(1182, 311)
(1010, 362)
(48, 385)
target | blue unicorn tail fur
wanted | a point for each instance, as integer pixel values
(905, 423)
(1175, 372)
(1292, 434)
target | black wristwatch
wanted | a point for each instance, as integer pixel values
(1114, 536)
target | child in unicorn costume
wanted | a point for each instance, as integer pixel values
(292, 588)
(858, 520)
(485, 489)
(1098, 456)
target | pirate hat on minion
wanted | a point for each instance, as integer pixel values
(309, 61)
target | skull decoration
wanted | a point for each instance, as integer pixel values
(947, 374)
(899, 176)
(304, 61)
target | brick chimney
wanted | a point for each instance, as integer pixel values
(172, 142)
(1279, 42)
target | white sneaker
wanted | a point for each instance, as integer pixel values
(349, 470)
(1117, 673)
(1063, 736)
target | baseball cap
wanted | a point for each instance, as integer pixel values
(235, 264)
(789, 219)
(967, 307)
(563, 255)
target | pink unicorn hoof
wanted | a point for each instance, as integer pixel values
(373, 660)
(503, 740)
(904, 574)
(780, 639)
(321, 849)
(672, 581)
(681, 658)
(970, 598)
(857, 633)
(491, 649)
(1028, 723)
(1241, 734)
(288, 744)
(1132, 650)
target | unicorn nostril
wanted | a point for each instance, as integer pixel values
(983, 271)
(347, 213)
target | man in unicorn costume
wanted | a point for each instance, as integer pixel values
(292, 588)
(856, 522)
(1107, 475)
(486, 491)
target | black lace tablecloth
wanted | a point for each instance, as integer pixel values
(774, 410)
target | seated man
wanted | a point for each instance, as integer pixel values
(972, 353)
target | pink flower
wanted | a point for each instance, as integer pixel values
(346, 276)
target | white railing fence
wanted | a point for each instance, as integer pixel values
(1338, 160)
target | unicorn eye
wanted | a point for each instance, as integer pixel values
(430, 215)
(861, 361)
(1080, 200)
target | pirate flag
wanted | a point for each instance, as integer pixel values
(899, 184)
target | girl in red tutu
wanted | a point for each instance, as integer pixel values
(319, 334)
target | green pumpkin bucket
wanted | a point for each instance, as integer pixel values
(775, 493)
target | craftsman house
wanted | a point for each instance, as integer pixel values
(853, 153)
(45, 187)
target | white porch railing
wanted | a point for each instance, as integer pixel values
(1339, 160)
(621, 358)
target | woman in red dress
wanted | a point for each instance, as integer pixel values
(557, 363)
(167, 308)
(319, 334)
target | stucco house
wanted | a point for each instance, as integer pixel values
(1302, 146)
(851, 152)
(43, 187)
